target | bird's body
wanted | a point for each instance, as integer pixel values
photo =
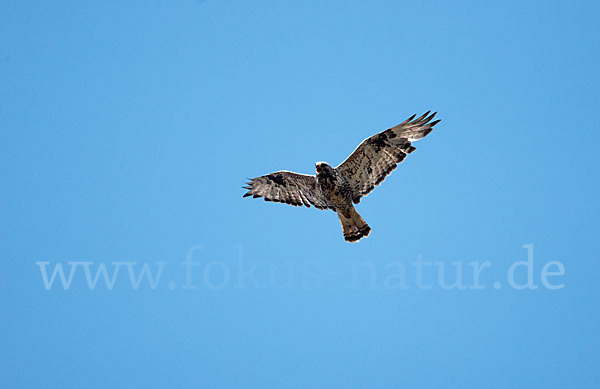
(337, 190)
(341, 187)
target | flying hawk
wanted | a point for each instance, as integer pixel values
(338, 188)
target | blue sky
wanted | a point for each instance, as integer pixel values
(128, 129)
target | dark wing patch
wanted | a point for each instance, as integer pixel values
(289, 188)
(376, 157)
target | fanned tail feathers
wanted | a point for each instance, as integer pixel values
(354, 226)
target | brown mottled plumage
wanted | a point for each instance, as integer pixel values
(337, 188)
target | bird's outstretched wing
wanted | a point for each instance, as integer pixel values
(378, 155)
(289, 188)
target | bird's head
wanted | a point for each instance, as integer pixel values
(323, 169)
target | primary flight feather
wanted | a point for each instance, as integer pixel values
(340, 187)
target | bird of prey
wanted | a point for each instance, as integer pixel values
(340, 187)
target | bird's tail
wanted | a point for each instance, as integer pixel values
(353, 226)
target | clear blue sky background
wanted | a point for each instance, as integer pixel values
(128, 129)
